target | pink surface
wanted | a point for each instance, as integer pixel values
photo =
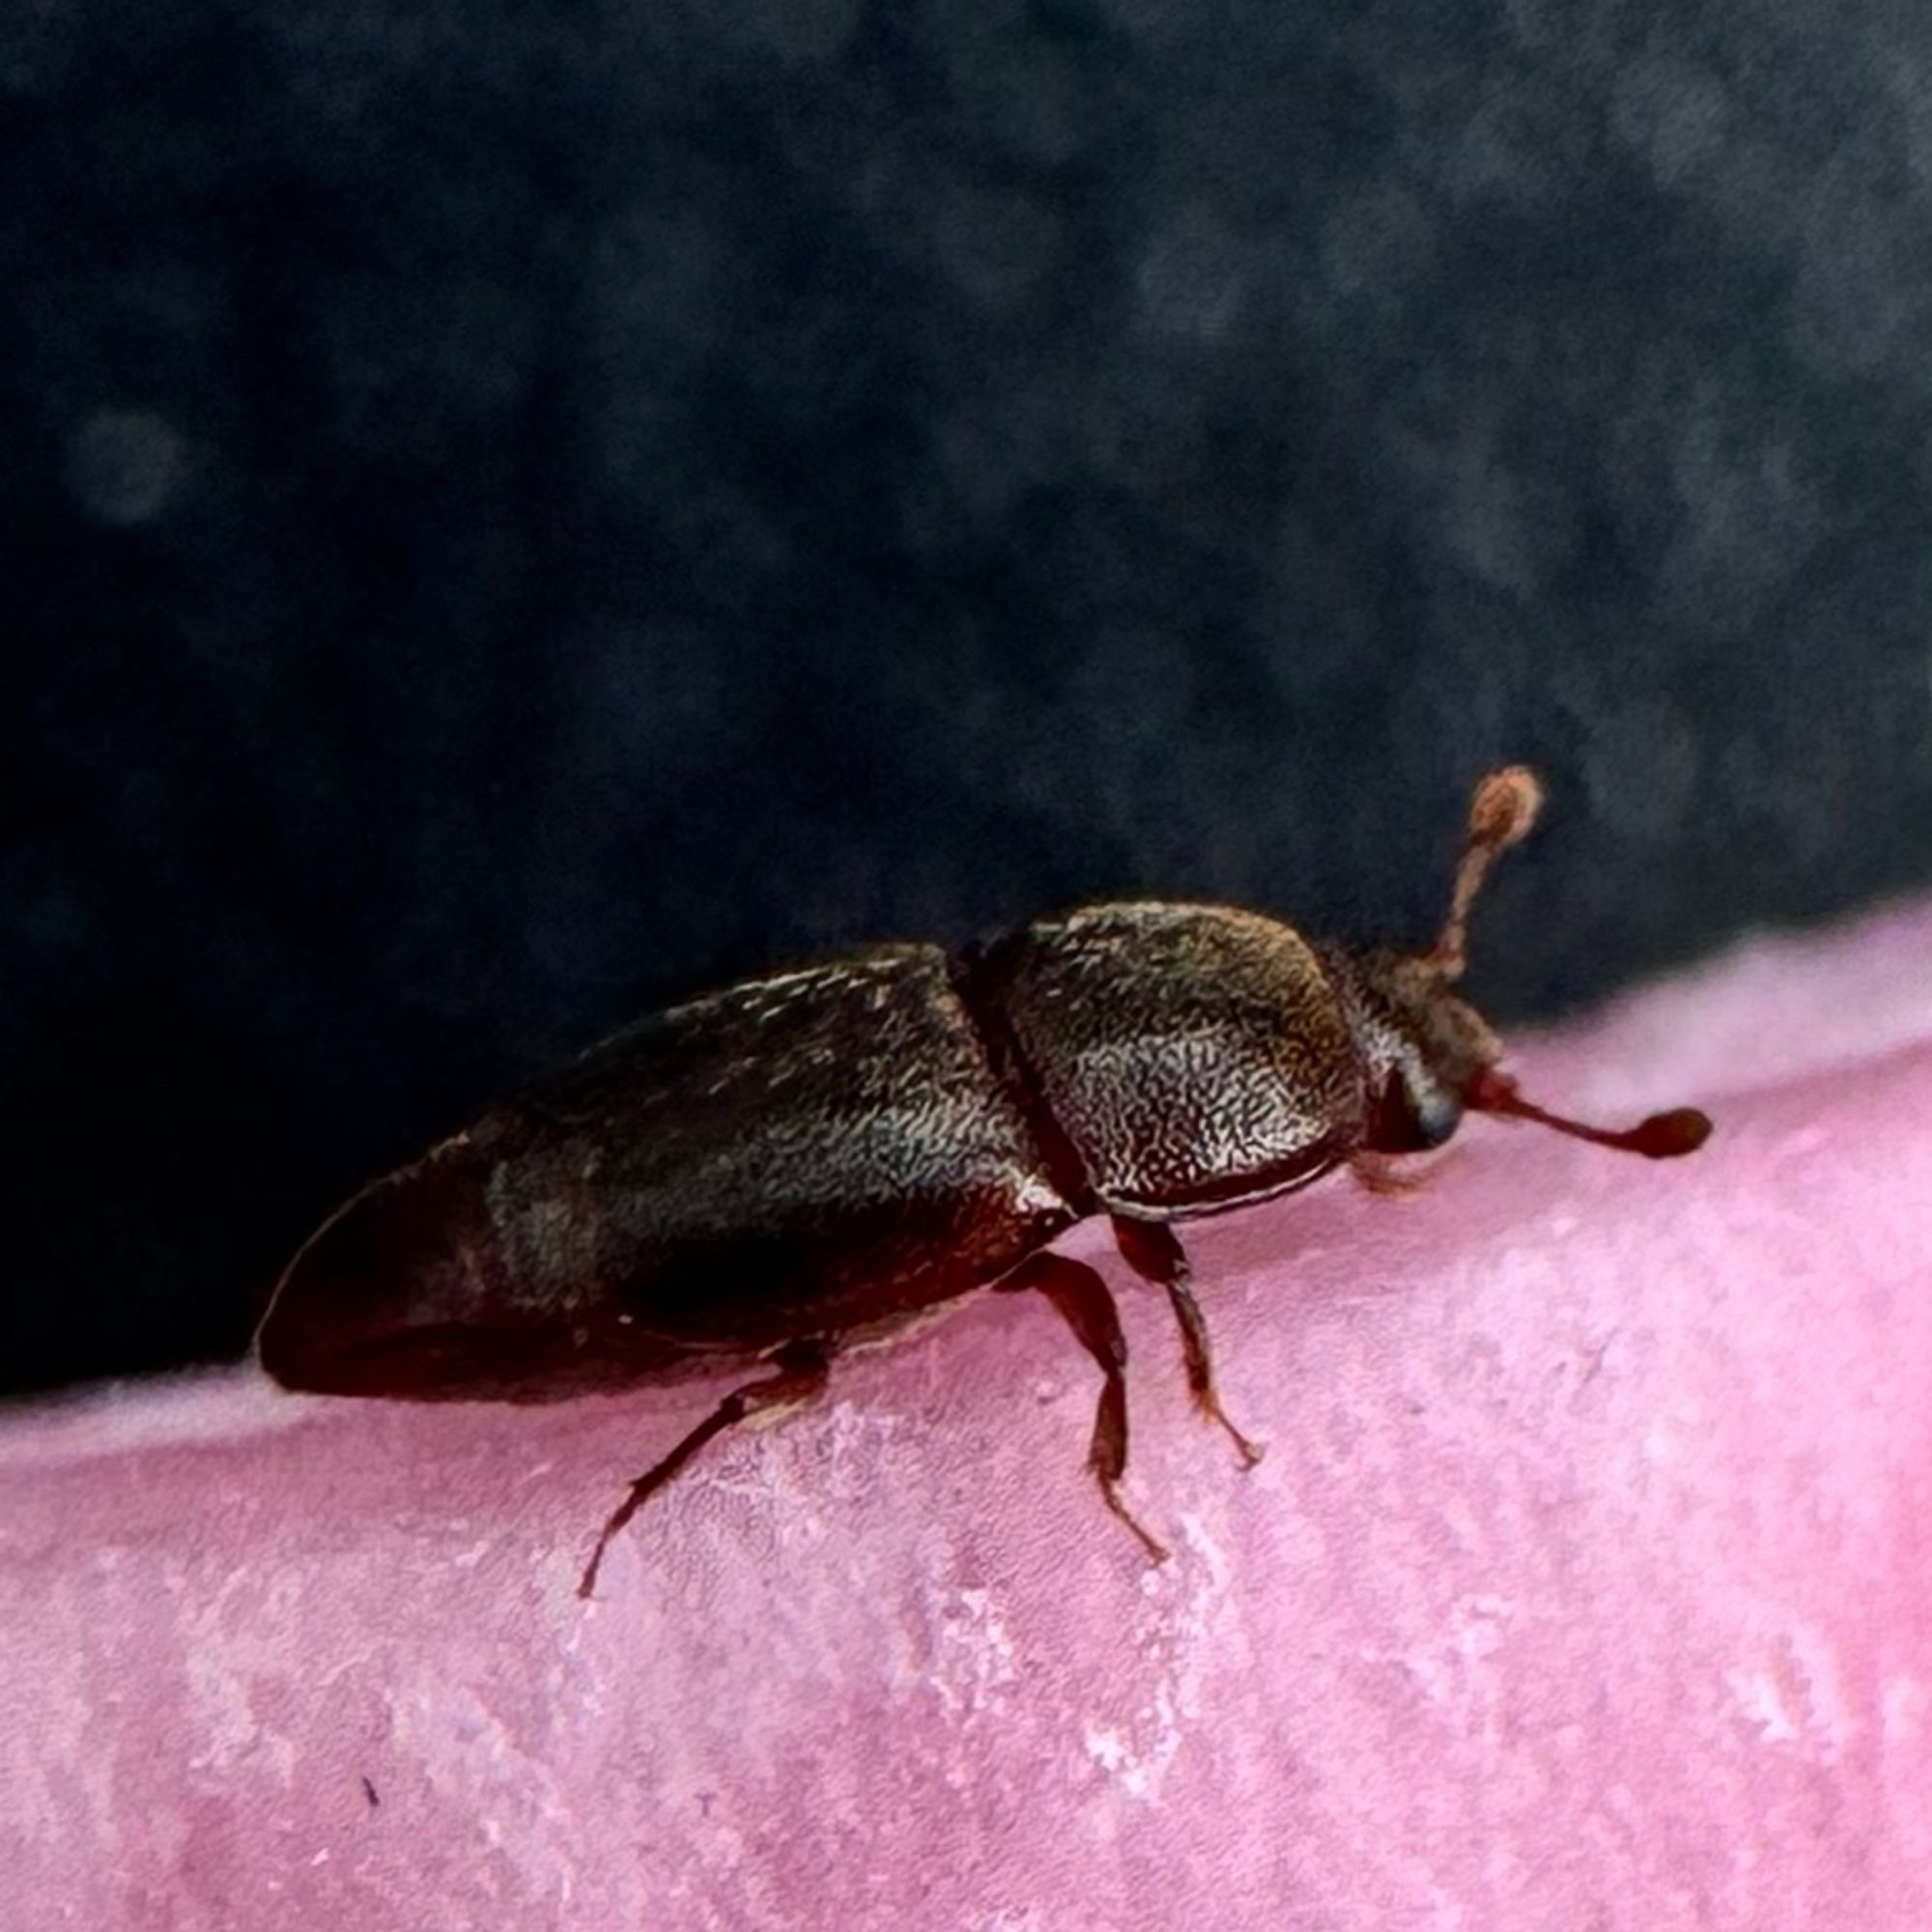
(1585, 1583)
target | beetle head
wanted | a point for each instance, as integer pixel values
(1428, 1056)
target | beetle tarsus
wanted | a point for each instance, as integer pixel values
(1157, 1552)
(803, 1366)
(1086, 1307)
(1153, 1251)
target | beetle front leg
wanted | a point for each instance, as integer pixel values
(1087, 1308)
(1152, 1250)
(802, 1369)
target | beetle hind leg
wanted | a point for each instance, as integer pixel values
(1151, 1249)
(802, 1370)
(1085, 1305)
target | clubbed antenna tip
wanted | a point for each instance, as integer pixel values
(1502, 808)
(1659, 1137)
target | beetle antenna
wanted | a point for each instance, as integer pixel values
(1501, 810)
(1659, 1137)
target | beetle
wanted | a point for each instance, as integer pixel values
(803, 1162)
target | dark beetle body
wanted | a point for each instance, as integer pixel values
(803, 1161)
(829, 1151)
(719, 1180)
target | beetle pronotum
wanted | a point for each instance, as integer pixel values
(774, 1171)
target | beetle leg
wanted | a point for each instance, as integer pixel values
(1087, 1309)
(1380, 1174)
(802, 1367)
(1152, 1249)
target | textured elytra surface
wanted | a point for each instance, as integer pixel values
(1183, 1050)
(778, 1159)
(1582, 1585)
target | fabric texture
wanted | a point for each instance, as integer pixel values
(1583, 1584)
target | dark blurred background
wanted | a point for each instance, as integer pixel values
(515, 512)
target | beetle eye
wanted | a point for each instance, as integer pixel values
(1408, 1120)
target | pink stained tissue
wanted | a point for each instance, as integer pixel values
(1586, 1584)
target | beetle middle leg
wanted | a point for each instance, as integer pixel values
(1087, 1308)
(802, 1369)
(1152, 1250)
